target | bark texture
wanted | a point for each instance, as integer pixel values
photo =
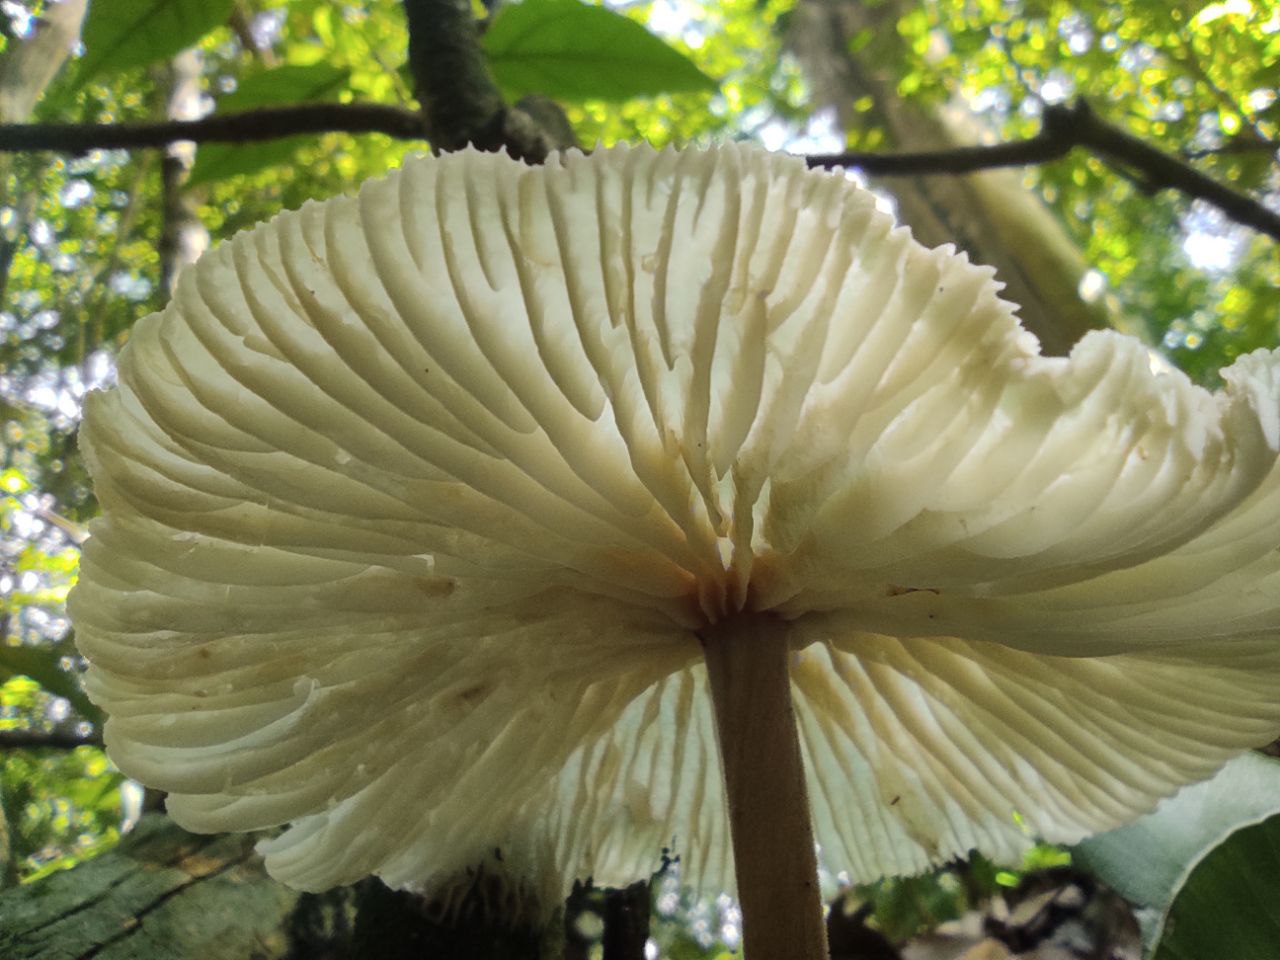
(183, 237)
(165, 894)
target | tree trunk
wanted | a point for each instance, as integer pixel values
(30, 65)
(183, 237)
(991, 215)
(27, 67)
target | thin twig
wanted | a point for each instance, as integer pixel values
(1066, 127)
(267, 123)
(241, 24)
(1241, 145)
(1164, 171)
(50, 740)
(1018, 153)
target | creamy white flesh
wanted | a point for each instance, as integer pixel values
(414, 503)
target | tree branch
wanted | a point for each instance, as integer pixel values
(51, 740)
(268, 123)
(1163, 171)
(1041, 148)
(1066, 127)
(450, 77)
(461, 101)
(1240, 145)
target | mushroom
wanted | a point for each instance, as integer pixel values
(561, 509)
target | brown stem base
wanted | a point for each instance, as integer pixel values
(773, 848)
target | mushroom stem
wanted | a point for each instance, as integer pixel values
(773, 849)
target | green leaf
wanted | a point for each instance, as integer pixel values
(568, 50)
(119, 34)
(41, 665)
(1150, 862)
(283, 85)
(1229, 903)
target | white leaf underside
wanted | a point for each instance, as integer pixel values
(413, 501)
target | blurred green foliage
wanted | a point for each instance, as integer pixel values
(80, 238)
(276, 86)
(60, 806)
(1198, 79)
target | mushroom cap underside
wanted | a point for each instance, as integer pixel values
(413, 503)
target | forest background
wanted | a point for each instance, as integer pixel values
(136, 133)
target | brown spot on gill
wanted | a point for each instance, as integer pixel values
(435, 586)
(475, 693)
